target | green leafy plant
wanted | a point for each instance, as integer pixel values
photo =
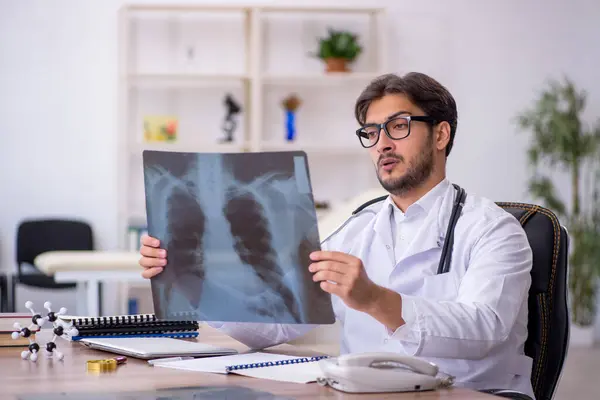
(339, 44)
(561, 141)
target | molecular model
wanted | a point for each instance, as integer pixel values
(60, 328)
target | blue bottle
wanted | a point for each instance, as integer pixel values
(291, 125)
(132, 306)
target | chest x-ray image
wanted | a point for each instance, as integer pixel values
(238, 229)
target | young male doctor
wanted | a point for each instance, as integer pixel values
(381, 265)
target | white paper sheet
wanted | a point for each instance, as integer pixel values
(298, 373)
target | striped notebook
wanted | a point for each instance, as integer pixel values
(139, 325)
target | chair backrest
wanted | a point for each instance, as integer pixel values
(548, 323)
(38, 236)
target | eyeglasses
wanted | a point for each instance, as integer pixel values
(395, 128)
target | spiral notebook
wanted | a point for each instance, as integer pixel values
(138, 325)
(272, 366)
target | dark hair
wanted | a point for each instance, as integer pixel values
(425, 92)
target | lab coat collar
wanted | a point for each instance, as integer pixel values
(437, 204)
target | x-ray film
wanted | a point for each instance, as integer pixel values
(238, 229)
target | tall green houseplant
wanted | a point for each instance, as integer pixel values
(561, 141)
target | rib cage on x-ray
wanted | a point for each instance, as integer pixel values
(255, 247)
(237, 238)
(185, 224)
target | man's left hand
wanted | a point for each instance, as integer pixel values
(344, 275)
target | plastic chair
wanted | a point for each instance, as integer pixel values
(37, 236)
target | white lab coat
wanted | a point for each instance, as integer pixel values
(471, 321)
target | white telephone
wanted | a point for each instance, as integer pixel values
(380, 372)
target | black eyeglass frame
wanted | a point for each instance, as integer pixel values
(383, 125)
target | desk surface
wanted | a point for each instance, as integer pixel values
(20, 377)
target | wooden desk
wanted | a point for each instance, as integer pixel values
(19, 377)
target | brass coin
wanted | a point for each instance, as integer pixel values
(102, 365)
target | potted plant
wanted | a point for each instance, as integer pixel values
(562, 141)
(338, 49)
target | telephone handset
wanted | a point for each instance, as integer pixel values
(380, 372)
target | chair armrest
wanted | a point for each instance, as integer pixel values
(507, 393)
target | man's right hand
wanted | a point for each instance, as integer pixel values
(153, 258)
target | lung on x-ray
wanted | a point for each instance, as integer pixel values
(238, 229)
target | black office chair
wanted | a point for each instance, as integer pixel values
(548, 321)
(38, 236)
(4, 306)
(548, 324)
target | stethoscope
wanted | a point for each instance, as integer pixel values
(459, 202)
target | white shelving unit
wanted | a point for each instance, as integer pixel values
(183, 60)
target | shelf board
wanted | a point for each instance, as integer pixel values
(321, 9)
(203, 80)
(319, 79)
(137, 148)
(263, 8)
(185, 80)
(185, 7)
(322, 148)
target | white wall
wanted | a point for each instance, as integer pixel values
(58, 90)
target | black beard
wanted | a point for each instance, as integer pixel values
(415, 176)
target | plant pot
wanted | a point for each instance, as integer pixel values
(337, 64)
(581, 336)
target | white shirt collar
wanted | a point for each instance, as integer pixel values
(424, 204)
